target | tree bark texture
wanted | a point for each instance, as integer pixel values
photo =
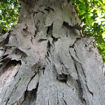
(45, 60)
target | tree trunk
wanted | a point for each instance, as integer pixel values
(46, 60)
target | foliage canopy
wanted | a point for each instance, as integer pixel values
(91, 13)
(9, 12)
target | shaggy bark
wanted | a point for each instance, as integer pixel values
(46, 61)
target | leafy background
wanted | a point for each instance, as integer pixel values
(91, 13)
(9, 12)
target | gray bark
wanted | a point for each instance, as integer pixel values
(46, 60)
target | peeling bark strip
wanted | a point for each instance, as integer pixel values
(46, 61)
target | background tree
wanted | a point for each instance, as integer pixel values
(46, 59)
